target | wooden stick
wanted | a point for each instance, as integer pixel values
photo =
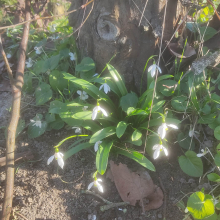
(10, 143)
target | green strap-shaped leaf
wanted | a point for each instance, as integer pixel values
(76, 149)
(136, 156)
(120, 129)
(101, 134)
(193, 94)
(102, 156)
(118, 80)
(89, 88)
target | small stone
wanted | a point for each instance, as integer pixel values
(182, 180)
(159, 216)
(191, 181)
(30, 200)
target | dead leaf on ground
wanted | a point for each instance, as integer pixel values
(177, 51)
(134, 187)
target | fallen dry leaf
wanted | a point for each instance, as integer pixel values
(177, 51)
(134, 187)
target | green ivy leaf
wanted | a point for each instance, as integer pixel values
(51, 63)
(43, 93)
(179, 103)
(217, 133)
(217, 160)
(166, 87)
(101, 134)
(86, 65)
(102, 156)
(57, 80)
(213, 177)
(120, 129)
(185, 141)
(199, 206)
(136, 135)
(129, 100)
(191, 164)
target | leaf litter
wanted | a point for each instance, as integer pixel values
(135, 187)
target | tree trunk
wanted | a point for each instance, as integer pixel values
(118, 27)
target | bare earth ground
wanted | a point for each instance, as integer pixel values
(41, 194)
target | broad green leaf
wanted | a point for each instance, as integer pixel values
(215, 98)
(217, 160)
(86, 65)
(191, 164)
(89, 88)
(136, 135)
(207, 119)
(101, 134)
(85, 115)
(57, 107)
(39, 67)
(129, 100)
(57, 80)
(50, 117)
(43, 93)
(120, 129)
(52, 62)
(217, 133)
(179, 103)
(57, 124)
(27, 87)
(136, 156)
(213, 177)
(76, 149)
(199, 206)
(137, 143)
(118, 80)
(102, 156)
(132, 111)
(160, 78)
(185, 141)
(37, 126)
(205, 33)
(206, 109)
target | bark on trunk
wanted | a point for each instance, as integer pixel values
(113, 28)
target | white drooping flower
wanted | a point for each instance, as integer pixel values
(84, 108)
(82, 95)
(106, 88)
(98, 109)
(96, 184)
(58, 156)
(157, 149)
(8, 55)
(38, 50)
(53, 27)
(96, 146)
(29, 63)
(204, 152)
(163, 129)
(96, 74)
(78, 129)
(72, 56)
(152, 69)
(36, 123)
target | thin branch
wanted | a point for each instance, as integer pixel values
(47, 17)
(10, 143)
(10, 75)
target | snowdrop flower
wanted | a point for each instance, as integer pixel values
(78, 130)
(53, 27)
(95, 74)
(204, 152)
(96, 146)
(84, 108)
(82, 95)
(36, 123)
(106, 88)
(96, 184)
(163, 129)
(8, 55)
(38, 50)
(29, 63)
(58, 156)
(152, 69)
(72, 56)
(157, 149)
(98, 109)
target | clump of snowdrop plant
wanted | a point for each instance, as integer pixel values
(58, 156)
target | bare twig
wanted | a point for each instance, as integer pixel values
(109, 204)
(17, 213)
(24, 155)
(165, 199)
(10, 143)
